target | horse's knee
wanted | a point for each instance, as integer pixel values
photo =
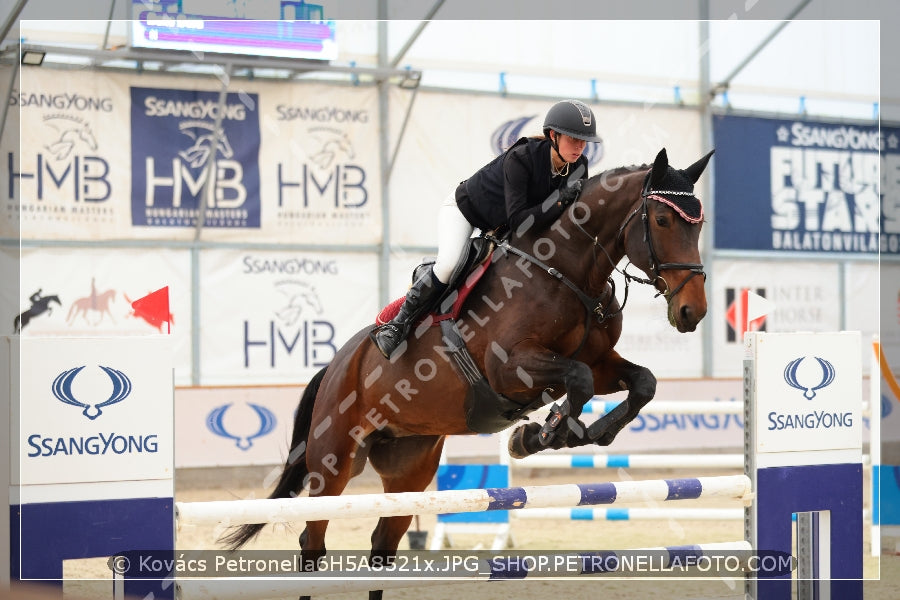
(640, 383)
(579, 386)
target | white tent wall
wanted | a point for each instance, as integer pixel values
(646, 79)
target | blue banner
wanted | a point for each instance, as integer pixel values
(174, 137)
(787, 185)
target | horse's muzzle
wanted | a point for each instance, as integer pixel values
(687, 302)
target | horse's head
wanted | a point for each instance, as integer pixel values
(664, 240)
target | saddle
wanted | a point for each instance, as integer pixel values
(486, 410)
(468, 271)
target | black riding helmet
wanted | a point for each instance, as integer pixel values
(573, 118)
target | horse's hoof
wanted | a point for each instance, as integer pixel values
(516, 446)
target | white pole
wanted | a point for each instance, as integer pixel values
(285, 510)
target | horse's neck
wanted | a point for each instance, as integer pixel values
(608, 213)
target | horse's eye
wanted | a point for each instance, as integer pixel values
(662, 221)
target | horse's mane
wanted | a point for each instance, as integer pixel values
(617, 171)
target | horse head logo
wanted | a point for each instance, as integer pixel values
(509, 132)
(809, 391)
(298, 294)
(202, 151)
(71, 131)
(62, 389)
(215, 423)
(330, 143)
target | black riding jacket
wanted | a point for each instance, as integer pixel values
(513, 186)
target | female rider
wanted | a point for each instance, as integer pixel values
(512, 190)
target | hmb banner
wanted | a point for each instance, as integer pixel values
(800, 186)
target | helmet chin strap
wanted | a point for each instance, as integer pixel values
(554, 143)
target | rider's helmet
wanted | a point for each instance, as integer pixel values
(573, 118)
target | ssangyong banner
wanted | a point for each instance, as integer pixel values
(792, 185)
(194, 160)
(320, 163)
(273, 317)
(69, 178)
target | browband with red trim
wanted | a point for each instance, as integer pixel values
(655, 195)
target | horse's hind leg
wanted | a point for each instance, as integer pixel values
(332, 462)
(405, 465)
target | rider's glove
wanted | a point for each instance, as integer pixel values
(569, 193)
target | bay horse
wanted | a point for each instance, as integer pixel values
(541, 322)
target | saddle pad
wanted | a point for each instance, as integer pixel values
(390, 311)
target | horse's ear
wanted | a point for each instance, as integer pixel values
(694, 171)
(660, 168)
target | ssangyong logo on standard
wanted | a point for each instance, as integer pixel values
(100, 443)
(62, 389)
(809, 376)
(809, 391)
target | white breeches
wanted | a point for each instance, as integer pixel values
(454, 232)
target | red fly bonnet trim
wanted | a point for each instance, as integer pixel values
(684, 203)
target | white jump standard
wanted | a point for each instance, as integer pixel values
(803, 403)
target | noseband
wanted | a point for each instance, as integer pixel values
(656, 267)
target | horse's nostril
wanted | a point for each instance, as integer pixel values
(686, 313)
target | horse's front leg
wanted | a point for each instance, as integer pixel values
(616, 374)
(527, 372)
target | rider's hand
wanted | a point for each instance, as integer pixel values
(569, 194)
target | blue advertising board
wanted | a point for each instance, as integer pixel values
(175, 134)
(784, 185)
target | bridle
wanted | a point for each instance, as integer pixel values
(656, 267)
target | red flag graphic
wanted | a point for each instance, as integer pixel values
(154, 308)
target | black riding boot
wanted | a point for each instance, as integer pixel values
(420, 298)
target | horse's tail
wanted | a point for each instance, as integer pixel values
(295, 469)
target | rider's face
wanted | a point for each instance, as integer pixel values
(570, 148)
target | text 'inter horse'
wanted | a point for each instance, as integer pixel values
(542, 322)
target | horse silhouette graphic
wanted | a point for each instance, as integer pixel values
(809, 392)
(96, 302)
(39, 305)
(331, 143)
(70, 132)
(298, 293)
(267, 421)
(202, 151)
(62, 389)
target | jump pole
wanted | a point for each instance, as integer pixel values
(286, 510)
(803, 446)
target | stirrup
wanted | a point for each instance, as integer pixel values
(395, 338)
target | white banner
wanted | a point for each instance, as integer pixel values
(279, 316)
(95, 410)
(889, 295)
(90, 292)
(237, 426)
(804, 298)
(319, 164)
